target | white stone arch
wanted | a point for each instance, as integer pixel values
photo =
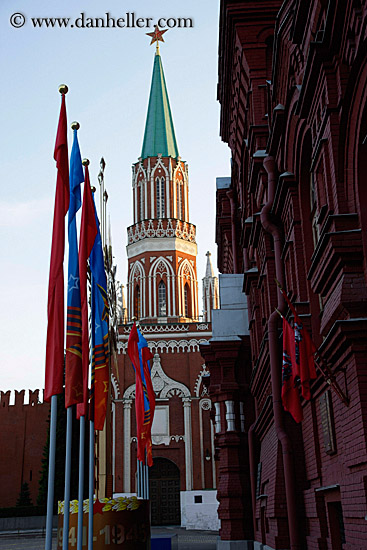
(139, 170)
(197, 387)
(164, 386)
(115, 386)
(129, 393)
(153, 281)
(177, 169)
(159, 164)
(135, 190)
(185, 264)
(137, 273)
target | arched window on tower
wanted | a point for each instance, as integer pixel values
(141, 200)
(179, 200)
(137, 309)
(187, 300)
(162, 300)
(159, 184)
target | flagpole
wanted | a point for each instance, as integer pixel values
(146, 477)
(69, 427)
(138, 478)
(81, 482)
(55, 324)
(91, 484)
(51, 473)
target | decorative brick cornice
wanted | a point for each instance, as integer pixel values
(165, 227)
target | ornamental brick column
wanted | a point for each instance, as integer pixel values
(226, 361)
(188, 443)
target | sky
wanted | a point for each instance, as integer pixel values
(108, 72)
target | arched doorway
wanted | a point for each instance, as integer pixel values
(164, 489)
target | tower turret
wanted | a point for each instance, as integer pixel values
(210, 290)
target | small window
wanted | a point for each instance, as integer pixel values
(137, 302)
(179, 200)
(159, 183)
(162, 307)
(198, 499)
(187, 300)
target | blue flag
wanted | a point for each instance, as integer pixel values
(73, 362)
(142, 343)
(100, 359)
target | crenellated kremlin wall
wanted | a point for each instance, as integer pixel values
(23, 432)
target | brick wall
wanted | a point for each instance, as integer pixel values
(23, 431)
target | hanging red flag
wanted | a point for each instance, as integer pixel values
(290, 396)
(88, 232)
(133, 352)
(147, 357)
(304, 350)
(55, 327)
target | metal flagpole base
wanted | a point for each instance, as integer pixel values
(69, 428)
(51, 473)
(81, 482)
(91, 484)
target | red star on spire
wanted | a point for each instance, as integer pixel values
(157, 35)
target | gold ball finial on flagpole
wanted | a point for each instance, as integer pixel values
(85, 162)
(75, 125)
(94, 189)
(63, 89)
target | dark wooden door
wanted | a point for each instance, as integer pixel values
(164, 485)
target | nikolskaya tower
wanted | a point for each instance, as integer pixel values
(162, 293)
(162, 280)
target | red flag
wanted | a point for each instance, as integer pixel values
(55, 310)
(88, 232)
(290, 396)
(148, 356)
(304, 351)
(133, 352)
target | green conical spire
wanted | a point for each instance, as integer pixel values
(159, 135)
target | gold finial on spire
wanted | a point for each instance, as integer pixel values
(157, 36)
(63, 89)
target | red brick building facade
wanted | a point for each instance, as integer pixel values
(293, 94)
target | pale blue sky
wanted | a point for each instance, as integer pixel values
(108, 72)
